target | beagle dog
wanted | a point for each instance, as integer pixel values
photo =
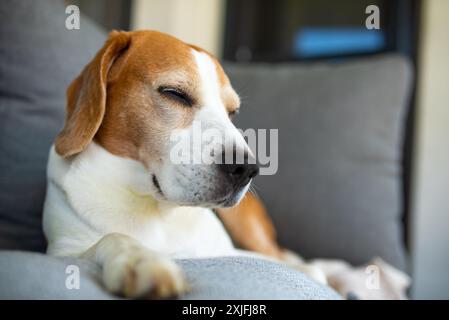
(115, 197)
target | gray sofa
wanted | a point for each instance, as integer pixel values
(336, 194)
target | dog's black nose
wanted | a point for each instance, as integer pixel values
(240, 173)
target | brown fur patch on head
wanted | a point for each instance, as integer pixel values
(117, 102)
(138, 119)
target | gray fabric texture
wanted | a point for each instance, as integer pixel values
(337, 192)
(39, 57)
(25, 275)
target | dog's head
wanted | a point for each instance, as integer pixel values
(142, 97)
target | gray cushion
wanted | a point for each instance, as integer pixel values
(337, 192)
(38, 59)
(37, 276)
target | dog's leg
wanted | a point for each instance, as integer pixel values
(133, 271)
(251, 228)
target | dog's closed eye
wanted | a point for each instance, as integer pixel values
(176, 95)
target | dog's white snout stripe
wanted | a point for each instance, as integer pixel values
(213, 113)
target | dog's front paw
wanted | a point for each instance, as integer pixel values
(143, 274)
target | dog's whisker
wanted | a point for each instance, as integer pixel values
(252, 189)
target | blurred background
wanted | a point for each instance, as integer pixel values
(309, 30)
(314, 31)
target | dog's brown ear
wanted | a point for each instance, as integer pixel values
(86, 98)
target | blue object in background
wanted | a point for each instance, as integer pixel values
(318, 42)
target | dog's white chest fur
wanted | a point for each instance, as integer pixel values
(97, 193)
